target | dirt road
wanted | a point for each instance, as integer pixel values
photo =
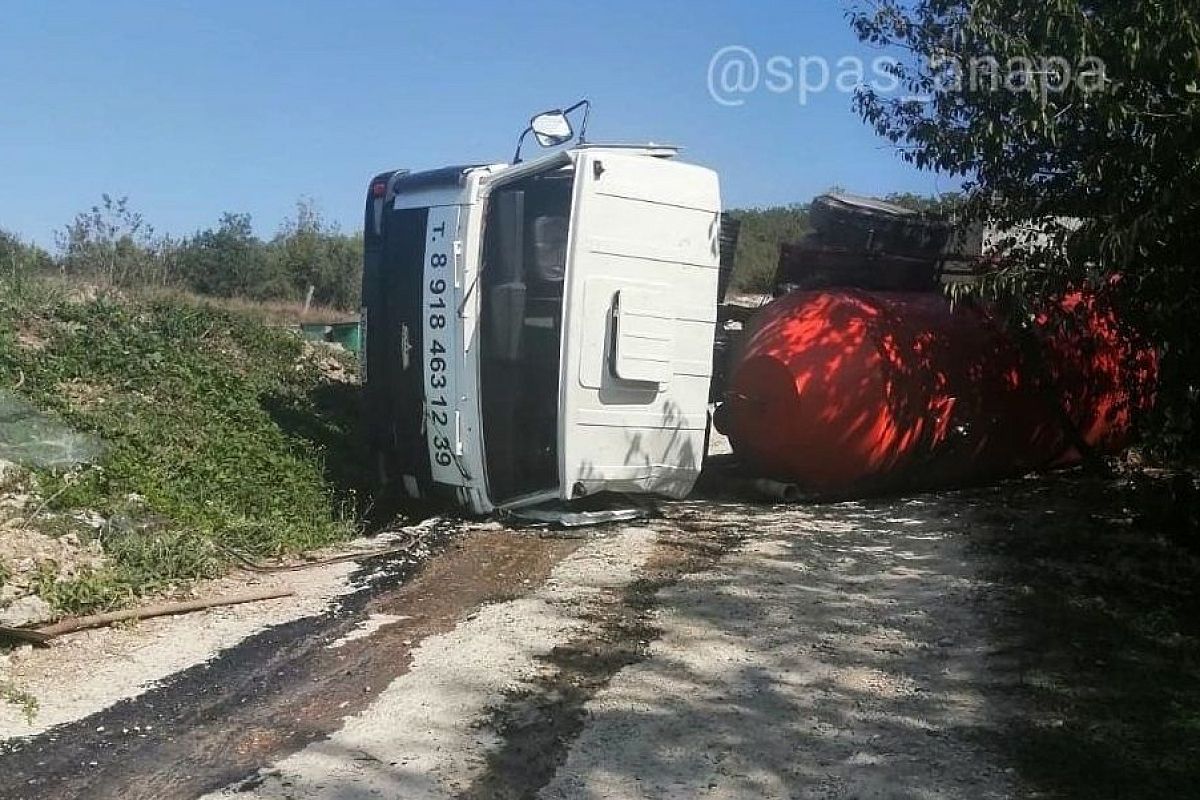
(1025, 640)
(837, 653)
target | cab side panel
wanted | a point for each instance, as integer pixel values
(641, 314)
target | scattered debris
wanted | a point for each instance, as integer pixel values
(332, 361)
(32, 438)
(34, 548)
(578, 519)
(416, 538)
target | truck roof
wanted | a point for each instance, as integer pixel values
(452, 176)
(432, 178)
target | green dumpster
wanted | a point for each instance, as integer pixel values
(347, 334)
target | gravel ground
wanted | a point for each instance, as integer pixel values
(830, 653)
(835, 654)
(422, 737)
(1029, 640)
(89, 671)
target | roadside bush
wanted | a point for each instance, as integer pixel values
(112, 246)
(197, 461)
(20, 261)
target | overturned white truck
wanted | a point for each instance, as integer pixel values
(541, 331)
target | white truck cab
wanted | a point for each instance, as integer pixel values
(541, 331)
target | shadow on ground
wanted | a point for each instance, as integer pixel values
(1102, 627)
(838, 654)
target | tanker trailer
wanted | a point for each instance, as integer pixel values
(886, 385)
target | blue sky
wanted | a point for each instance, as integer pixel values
(194, 108)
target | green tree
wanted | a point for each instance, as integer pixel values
(1054, 110)
(113, 245)
(231, 261)
(763, 231)
(314, 253)
(19, 260)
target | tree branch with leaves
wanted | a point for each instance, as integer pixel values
(1086, 130)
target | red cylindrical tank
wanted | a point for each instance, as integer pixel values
(846, 391)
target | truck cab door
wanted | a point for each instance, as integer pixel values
(641, 292)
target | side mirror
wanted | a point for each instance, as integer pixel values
(551, 128)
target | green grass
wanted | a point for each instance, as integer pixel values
(217, 435)
(27, 703)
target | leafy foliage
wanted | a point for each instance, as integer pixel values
(763, 230)
(112, 245)
(201, 413)
(310, 252)
(1087, 140)
(230, 261)
(21, 262)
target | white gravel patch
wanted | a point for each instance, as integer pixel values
(365, 628)
(421, 738)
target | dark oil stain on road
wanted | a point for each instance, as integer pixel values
(218, 723)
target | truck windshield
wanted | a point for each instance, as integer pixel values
(525, 250)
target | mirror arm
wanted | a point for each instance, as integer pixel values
(521, 141)
(586, 105)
